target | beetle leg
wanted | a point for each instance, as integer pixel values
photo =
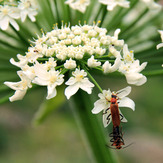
(108, 118)
(121, 116)
(106, 111)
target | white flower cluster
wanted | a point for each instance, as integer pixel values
(76, 49)
(11, 10)
(81, 5)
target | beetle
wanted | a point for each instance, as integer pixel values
(116, 116)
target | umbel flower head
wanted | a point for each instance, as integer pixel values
(76, 49)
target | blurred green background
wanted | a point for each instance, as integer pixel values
(58, 138)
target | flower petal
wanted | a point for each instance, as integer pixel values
(159, 45)
(99, 105)
(18, 95)
(107, 118)
(52, 92)
(14, 24)
(124, 92)
(71, 81)
(71, 90)
(4, 23)
(135, 78)
(39, 81)
(123, 119)
(127, 102)
(86, 85)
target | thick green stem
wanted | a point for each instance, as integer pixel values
(90, 127)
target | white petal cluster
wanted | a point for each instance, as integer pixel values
(50, 78)
(79, 5)
(93, 62)
(131, 68)
(111, 4)
(127, 65)
(19, 87)
(11, 11)
(76, 49)
(70, 64)
(79, 80)
(26, 8)
(161, 44)
(108, 67)
(103, 103)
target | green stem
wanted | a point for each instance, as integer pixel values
(104, 13)
(58, 67)
(114, 20)
(96, 17)
(20, 36)
(64, 71)
(10, 35)
(50, 10)
(57, 14)
(136, 31)
(93, 80)
(90, 128)
(134, 22)
(69, 14)
(154, 72)
(11, 46)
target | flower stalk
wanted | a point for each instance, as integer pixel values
(88, 123)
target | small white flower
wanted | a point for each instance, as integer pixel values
(22, 61)
(70, 64)
(113, 3)
(7, 15)
(161, 44)
(26, 9)
(108, 68)
(132, 72)
(78, 81)
(104, 103)
(51, 64)
(114, 39)
(114, 51)
(19, 87)
(80, 5)
(93, 62)
(128, 56)
(29, 71)
(40, 40)
(50, 78)
(100, 51)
